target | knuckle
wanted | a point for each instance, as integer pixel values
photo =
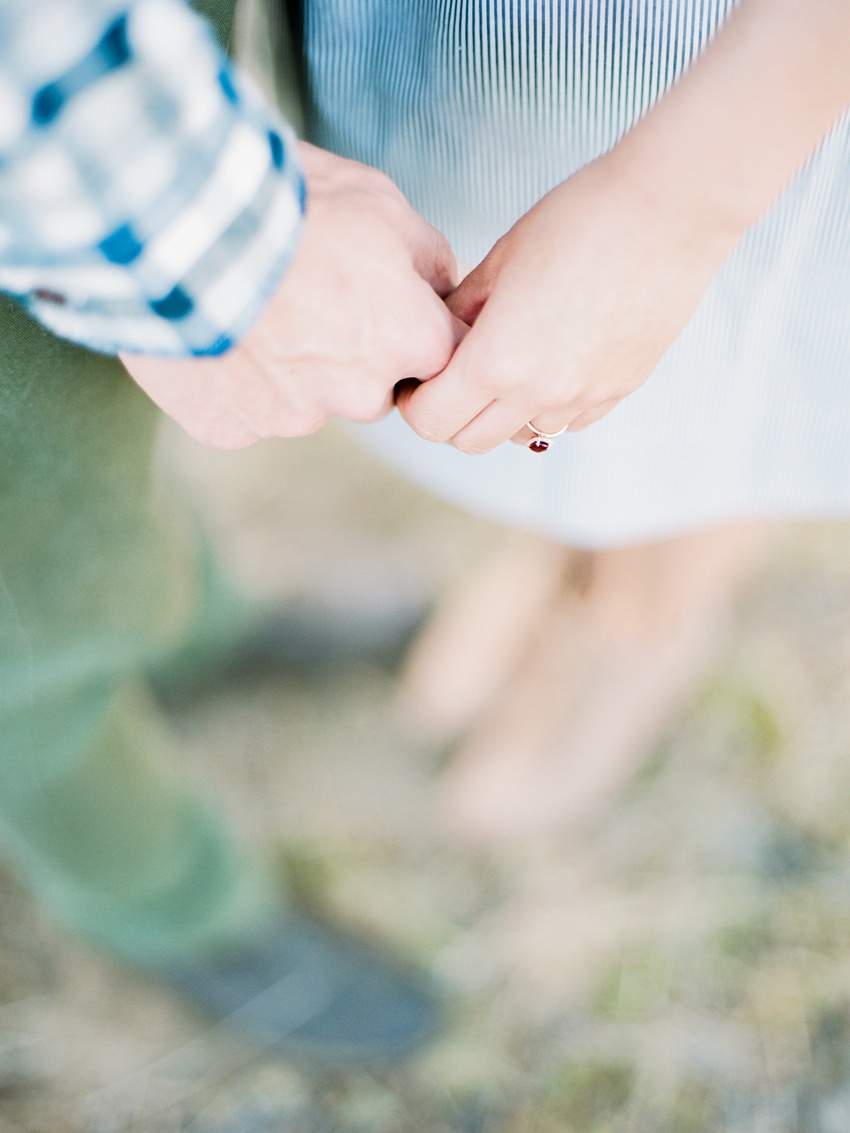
(429, 345)
(444, 266)
(383, 182)
(300, 425)
(367, 410)
(229, 442)
(379, 414)
(363, 396)
(392, 200)
(224, 434)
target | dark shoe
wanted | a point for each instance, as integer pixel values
(312, 638)
(301, 639)
(313, 994)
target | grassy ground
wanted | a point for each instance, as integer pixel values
(683, 967)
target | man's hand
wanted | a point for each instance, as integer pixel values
(359, 310)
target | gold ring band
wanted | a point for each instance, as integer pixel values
(540, 441)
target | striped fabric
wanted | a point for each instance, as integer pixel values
(477, 108)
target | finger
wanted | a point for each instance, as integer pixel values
(463, 270)
(559, 421)
(225, 433)
(427, 369)
(384, 411)
(495, 424)
(434, 259)
(470, 295)
(589, 416)
(554, 422)
(365, 410)
(434, 342)
(403, 390)
(440, 408)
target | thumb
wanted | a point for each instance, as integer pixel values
(468, 298)
(435, 261)
(404, 390)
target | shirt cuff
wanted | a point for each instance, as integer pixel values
(150, 202)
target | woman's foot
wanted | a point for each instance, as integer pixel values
(472, 644)
(578, 720)
(612, 649)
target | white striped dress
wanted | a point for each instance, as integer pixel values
(476, 108)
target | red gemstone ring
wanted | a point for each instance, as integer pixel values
(540, 440)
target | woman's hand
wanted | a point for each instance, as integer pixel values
(571, 311)
(576, 305)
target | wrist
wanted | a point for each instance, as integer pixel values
(719, 148)
(668, 192)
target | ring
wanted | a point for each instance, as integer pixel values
(540, 441)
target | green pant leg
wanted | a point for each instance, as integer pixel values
(95, 581)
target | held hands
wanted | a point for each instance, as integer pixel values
(577, 304)
(570, 312)
(359, 310)
(572, 309)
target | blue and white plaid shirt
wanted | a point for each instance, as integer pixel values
(149, 200)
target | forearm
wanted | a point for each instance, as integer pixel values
(722, 144)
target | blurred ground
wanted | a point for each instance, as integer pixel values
(683, 967)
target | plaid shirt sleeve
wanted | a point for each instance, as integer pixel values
(149, 200)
